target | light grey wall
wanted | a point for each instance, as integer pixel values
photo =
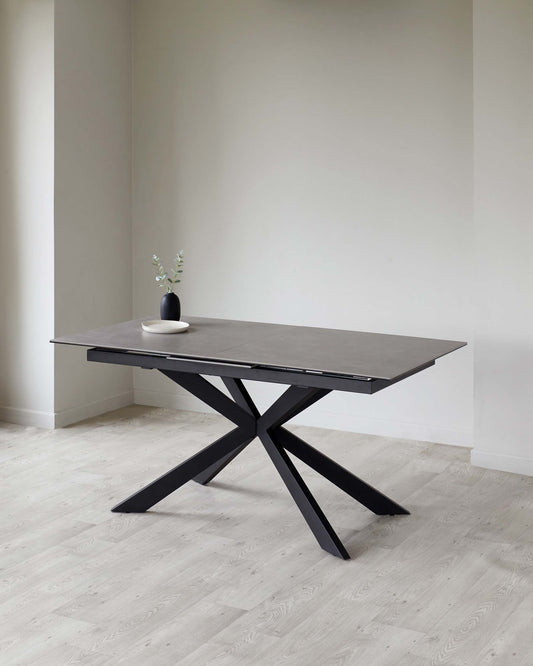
(26, 211)
(314, 161)
(92, 196)
(503, 60)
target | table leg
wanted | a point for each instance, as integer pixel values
(210, 472)
(341, 477)
(154, 492)
(241, 396)
(240, 409)
(311, 511)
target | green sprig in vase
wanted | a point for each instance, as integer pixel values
(170, 307)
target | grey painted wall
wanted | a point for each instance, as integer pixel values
(92, 196)
(314, 160)
(27, 211)
(503, 50)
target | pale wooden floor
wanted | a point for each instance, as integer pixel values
(230, 574)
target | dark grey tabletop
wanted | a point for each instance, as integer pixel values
(351, 353)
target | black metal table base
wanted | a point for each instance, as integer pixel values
(240, 409)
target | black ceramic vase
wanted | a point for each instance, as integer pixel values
(170, 307)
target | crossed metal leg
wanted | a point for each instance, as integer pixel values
(207, 463)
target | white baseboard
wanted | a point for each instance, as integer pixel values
(421, 432)
(325, 419)
(316, 417)
(51, 420)
(170, 400)
(502, 462)
(27, 417)
(74, 414)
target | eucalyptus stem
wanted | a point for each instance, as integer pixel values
(161, 275)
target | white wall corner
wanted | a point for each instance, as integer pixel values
(74, 414)
(51, 420)
(27, 417)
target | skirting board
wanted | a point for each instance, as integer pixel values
(502, 462)
(324, 419)
(74, 414)
(27, 417)
(50, 420)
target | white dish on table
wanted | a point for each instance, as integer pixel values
(164, 326)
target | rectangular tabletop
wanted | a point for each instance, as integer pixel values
(332, 351)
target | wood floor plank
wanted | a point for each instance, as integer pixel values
(512, 644)
(172, 641)
(229, 573)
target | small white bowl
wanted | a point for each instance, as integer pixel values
(164, 326)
